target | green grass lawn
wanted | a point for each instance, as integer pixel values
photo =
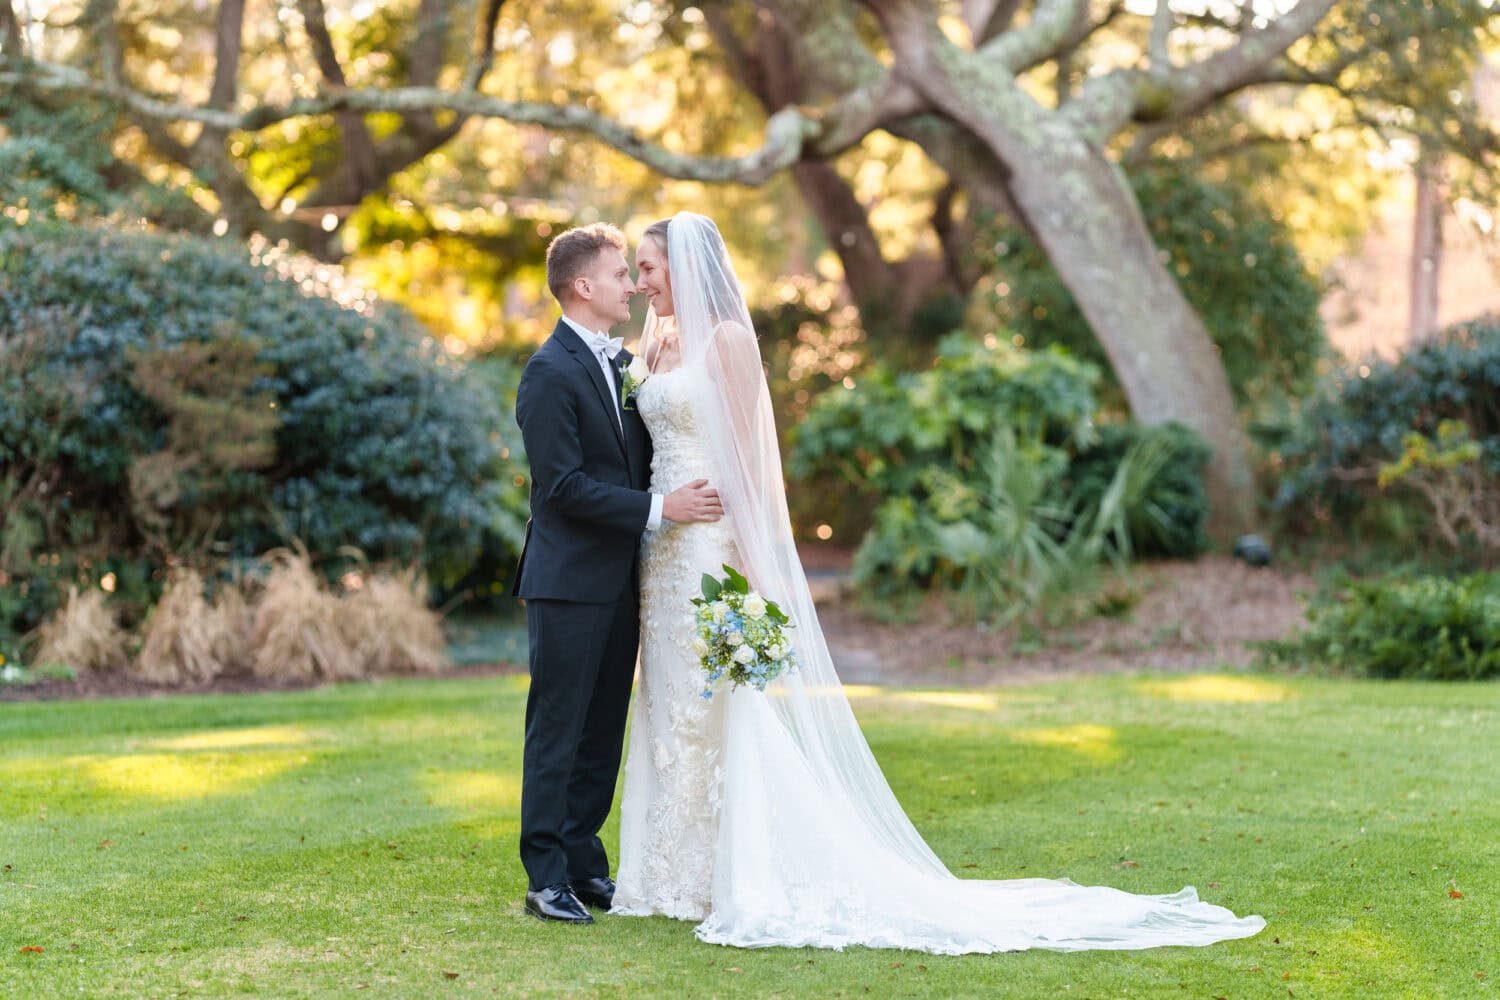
(363, 837)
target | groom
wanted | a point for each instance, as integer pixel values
(590, 468)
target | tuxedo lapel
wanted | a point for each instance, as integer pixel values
(571, 342)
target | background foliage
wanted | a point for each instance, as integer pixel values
(1364, 417)
(1236, 262)
(169, 400)
(1425, 628)
(987, 473)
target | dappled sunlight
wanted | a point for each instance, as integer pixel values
(978, 701)
(863, 691)
(1219, 688)
(182, 776)
(975, 701)
(234, 739)
(474, 790)
(1097, 742)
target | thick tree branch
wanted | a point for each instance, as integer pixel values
(11, 46)
(828, 39)
(767, 65)
(786, 135)
(359, 147)
(1050, 25)
(862, 111)
(482, 56)
(988, 18)
(1200, 84)
(1083, 29)
(426, 59)
(229, 25)
(1108, 102)
(99, 17)
(1161, 33)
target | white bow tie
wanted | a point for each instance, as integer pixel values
(606, 346)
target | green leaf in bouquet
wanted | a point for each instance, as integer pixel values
(711, 588)
(736, 582)
(774, 612)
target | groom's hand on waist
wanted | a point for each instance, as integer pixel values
(694, 503)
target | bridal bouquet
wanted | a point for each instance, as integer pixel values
(740, 634)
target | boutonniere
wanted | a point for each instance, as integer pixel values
(635, 375)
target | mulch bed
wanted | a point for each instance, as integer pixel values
(1201, 615)
(1191, 616)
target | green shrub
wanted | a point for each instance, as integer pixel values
(169, 399)
(882, 434)
(1169, 518)
(1429, 627)
(1365, 418)
(488, 577)
(989, 478)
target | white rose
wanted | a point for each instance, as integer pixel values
(735, 639)
(638, 369)
(754, 605)
(699, 646)
(719, 610)
(744, 655)
(779, 653)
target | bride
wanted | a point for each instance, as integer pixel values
(763, 815)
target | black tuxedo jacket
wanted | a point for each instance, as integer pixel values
(589, 502)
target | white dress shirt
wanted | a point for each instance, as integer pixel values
(653, 521)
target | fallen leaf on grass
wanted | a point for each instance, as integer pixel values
(36, 948)
(1128, 864)
(450, 974)
(105, 845)
(734, 969)
(1215, 885)
(1455, 894)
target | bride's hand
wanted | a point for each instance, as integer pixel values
(667, 354)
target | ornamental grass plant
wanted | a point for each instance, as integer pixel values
(84, 634)
(189, 638)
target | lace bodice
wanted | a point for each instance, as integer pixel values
(665, 401)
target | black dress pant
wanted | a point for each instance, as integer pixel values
(582, 664)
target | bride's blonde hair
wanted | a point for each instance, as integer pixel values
(657, 231)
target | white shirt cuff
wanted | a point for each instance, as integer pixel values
(654, 520)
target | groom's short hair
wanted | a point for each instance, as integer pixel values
(572, 253)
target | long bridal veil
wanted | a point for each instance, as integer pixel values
(801, 738)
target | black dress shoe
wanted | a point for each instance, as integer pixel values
(557, 902)
(598, 892)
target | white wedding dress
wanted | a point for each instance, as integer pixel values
(725, 820)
